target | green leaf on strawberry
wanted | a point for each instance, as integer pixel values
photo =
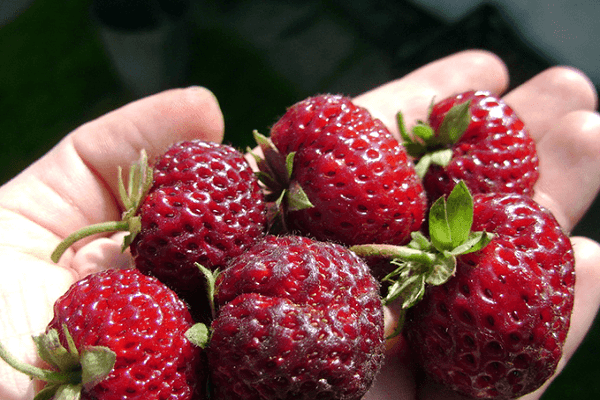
(52, 351)
(275, 173)
(211, 279)
(430, 261)
(454, 124)
(198, 334)
(450, 220)
(431, 147)
(70, 371)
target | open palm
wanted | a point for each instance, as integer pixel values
(75, 185)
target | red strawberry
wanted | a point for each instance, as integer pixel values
(492, 306)
(119, 334)
(205, 206)
(298, 319)
(475, 137)
(202, 203)
(496, 329)
(350, 180)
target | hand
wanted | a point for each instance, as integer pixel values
(558, 107)
(74, 185)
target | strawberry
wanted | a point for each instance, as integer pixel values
(339, 175)
(477, 138)
(205, 206)
(297, 319)
(496, 329)
(200, 203)
(119, 334)
(492, 322)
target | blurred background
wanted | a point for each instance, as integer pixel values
(64, 63)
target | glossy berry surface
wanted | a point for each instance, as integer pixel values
(495, 153)
(144, 323)
(358, 177)
(205, 206)
(497, 328)
(298, 319)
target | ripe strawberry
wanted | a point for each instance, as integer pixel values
(491, 322)
(201, 203)
(497, 328)
(298, 319)
(119, 334)
(475, 137)
(205, 206)
(350, 180)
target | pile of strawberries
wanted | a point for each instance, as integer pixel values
(271, 284)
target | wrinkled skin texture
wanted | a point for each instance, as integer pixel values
(40, 207)
(298, 319)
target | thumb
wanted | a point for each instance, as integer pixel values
(75, 184)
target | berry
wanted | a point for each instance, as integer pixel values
(297, 319)
(205, 206)
(496, 329)
(119, 334)
(201, 203)
(487, 298)
(350, 180)
(477, 138)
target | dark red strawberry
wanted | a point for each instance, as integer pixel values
(205, 206)
(298, 319)
(119, 334)
(201, 203)
(493, 319)
(496, 329)
(345, 178)
(477, 138)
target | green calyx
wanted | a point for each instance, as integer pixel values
(199, 333)
(429, 147)
(430, 261)
(275, 173)
(71, 370)
(132, 196)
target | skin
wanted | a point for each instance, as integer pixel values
(74, 185)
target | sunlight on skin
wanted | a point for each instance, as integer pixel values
(40, 206)
(568, 148)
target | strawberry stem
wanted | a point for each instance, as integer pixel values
(391, 251)
(63, 377)
(102, 227)
(73, 370)
(211, 279)
(430, 261)
(132, 196)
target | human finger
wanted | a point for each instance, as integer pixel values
(569, 155)
(75, 184)
(102, 253)
(413, 93)
(587, 303)
(396, 379)
(558, 107)
(549, 96)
